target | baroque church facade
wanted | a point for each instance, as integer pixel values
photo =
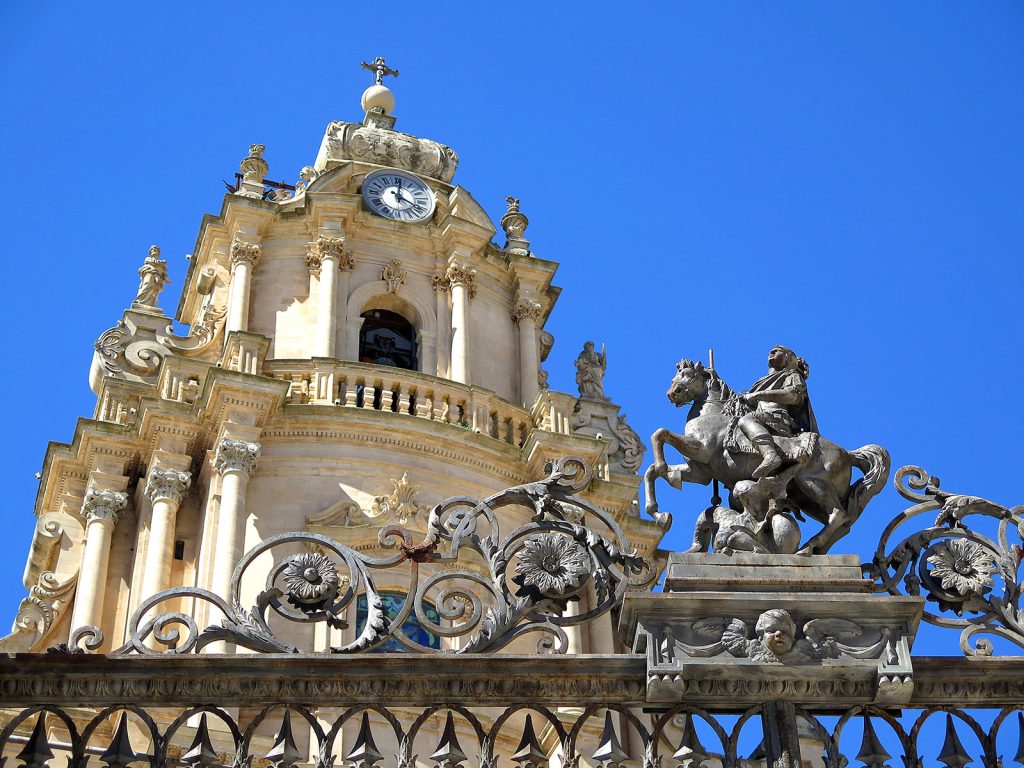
(360, 348)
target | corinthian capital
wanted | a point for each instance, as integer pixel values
(526, 309)
(439, 282)
(236, 456)
(108, 506)
(460, 273)
(167, 485)
(328, 248)
(244, 253)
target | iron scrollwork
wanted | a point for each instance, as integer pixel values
(971, 572)
(505, 587)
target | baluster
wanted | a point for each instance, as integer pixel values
(351, 393)
(387, 395)
(404, 401)
(424, 403)
(368, 396)
(522, 432)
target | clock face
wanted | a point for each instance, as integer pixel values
(399, 196)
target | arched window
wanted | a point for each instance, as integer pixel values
(387, 338)
(411, 628)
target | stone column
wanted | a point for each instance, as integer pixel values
(462, 278)
(235, 461)
(525, 313)
(327, 259)
(165, 488)
(101, 510)
(441, 286)
(244, 257)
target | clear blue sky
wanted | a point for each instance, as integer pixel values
(843, 178)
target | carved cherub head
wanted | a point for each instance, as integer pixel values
(776, 631)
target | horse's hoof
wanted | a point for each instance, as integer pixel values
(663, 520)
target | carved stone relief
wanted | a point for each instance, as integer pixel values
(393, 275)
(382, 146)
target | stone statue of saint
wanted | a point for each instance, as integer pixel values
(590, 368)
(779, 407)
(152, 279)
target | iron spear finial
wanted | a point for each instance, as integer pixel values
(380, 69)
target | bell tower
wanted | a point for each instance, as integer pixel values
(360, 348)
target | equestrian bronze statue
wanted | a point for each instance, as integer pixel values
(763, 446)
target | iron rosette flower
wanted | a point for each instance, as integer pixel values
(961, 569)
(551, 570)
(311, 581)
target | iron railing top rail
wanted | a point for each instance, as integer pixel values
(397, 678)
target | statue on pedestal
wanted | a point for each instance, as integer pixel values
(152, 279)
(763, 446)
(590, 368)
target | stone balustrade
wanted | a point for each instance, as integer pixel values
(409, 393)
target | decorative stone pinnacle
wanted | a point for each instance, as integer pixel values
(254, 167)
(236, 456)
(108, 506)
(244, 253)
(380, 69)
(514, 222)
(167, 485)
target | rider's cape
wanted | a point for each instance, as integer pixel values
(802, 413)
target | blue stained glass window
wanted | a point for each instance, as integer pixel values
(393, 602)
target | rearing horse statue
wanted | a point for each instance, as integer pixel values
(818, 471)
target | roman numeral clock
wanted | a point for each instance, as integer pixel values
(398, 196)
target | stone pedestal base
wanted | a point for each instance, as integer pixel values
(742, 629)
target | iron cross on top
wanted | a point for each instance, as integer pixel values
(380, 69)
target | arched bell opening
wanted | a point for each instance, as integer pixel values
(387, 338)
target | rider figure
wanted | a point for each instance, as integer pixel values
(779, 407)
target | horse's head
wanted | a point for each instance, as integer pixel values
(687, 383)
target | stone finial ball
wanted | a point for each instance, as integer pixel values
(378, 96)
